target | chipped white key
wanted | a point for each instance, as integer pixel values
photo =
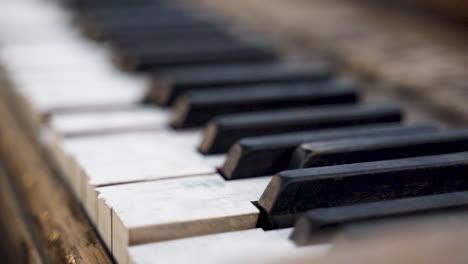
(104, 122)
(176, 208)
(133, 157)
(253, 246)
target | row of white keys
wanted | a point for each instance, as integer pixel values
(152, 185)
(132, 118)
(93, 125)
(176, 208)
(253, 246)
(81, 92)
(133, 157)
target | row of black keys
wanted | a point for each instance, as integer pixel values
(346, 158)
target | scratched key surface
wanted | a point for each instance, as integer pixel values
(177, 208)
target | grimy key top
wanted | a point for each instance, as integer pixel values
(168, 85)
(295, 191)
(314, 221)
(354, 150)
(225, 130)
(268, 155)
(197, 107)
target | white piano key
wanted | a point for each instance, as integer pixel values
(32, 13)
(130, 119)
(81, 92)
(47, 57)
(177, 208)
(140, 156)
(15, 35)
(253, 246)
(134, 157)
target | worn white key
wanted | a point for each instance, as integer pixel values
(32, 35)
(47, 57)
(81, 92)
(176, 208)
(133, 157)
(253, 246)
(130, 119)
(32, 13)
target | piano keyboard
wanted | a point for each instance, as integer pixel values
(209, 146)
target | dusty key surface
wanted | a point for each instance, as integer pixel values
(132, 157)
(177, 208)
(248, 246)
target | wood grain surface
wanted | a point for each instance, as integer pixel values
(57, 223)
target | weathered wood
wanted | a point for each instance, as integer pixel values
(18, 244)
(61, 226)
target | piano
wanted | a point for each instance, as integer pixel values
(158, 132)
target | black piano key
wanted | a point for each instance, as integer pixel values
(295, 191)
(317, 220)
(225, 130)
(353, 150)
(268, 155)
(98, 4)
(117, 20)
(192, 54)
(172, 83)
(196, 108)
(126, 10)
(166, 36)
(141, 16)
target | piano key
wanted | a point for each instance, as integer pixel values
(149, 18)
(34, 13)
(159, 36)
(133, 157)
(90, 123)
(52, 58)
(169, 84)
(232, 247)
(193, 54)
(117, 11)
(19, 35)
(225, 130)
(196, 108)
(178, 208)
(268, 155)
(317, 220)
(354, 150)
(294, 191)
(96, 4)
(90, 91)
